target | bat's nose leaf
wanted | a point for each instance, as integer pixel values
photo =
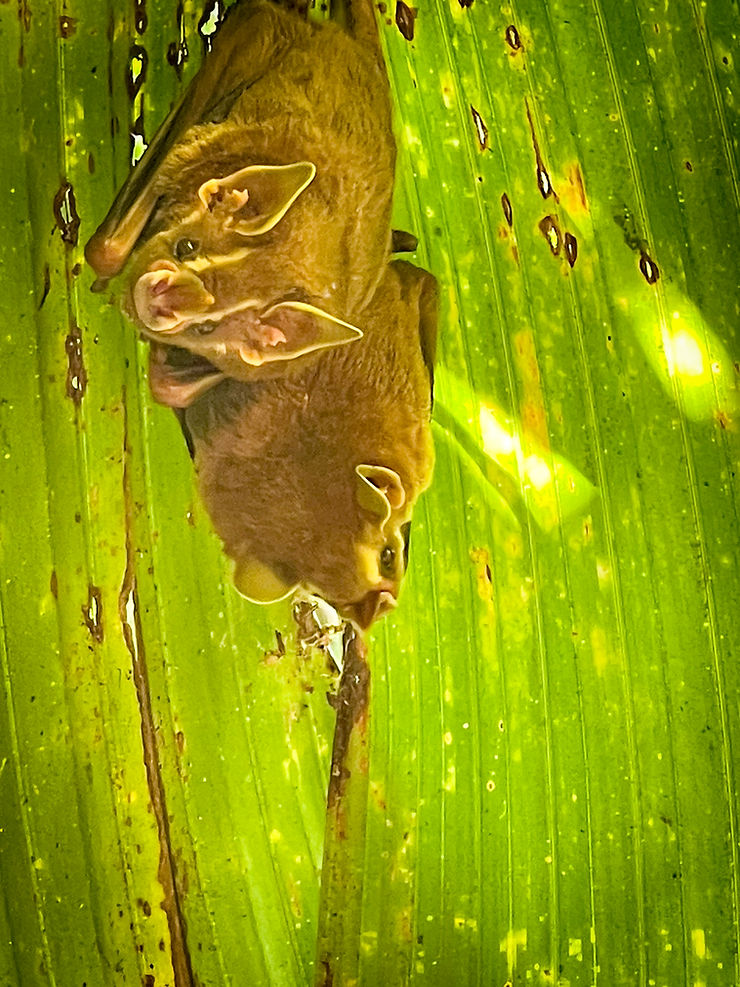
(164, 298)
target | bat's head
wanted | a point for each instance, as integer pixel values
(217, 276)
(381, 544)
(358, 562)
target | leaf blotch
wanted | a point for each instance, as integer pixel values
(140, 16)
(550, 229)
(92, 613)
(76, 373)
(67, 26)
(543, 178)
(648, 268)
(24, 14)
(481, 131)
(512, 38)
(506, 206)
(177, 53)
(571, 248)
(405, 17)
(213, 14)
(138, 61)
(47, 286)
(65, 214)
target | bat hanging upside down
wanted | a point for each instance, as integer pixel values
(252, 246)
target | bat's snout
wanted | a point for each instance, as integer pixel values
(166, 297)
(372, 606)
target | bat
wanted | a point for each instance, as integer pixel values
(311, 479)
(252, 248)
(258, 221)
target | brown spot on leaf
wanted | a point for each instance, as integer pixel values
(465, 4)
(76, 373)
(140, 16)
(573, 194)
(571, 248)
(213, 14)
(543, 178)
(65, 214)
(405, 17)
(93, 613)
(506, 206)
(47, 286)
(177, 53)
(481, 130)
(512, 38)
(481, 559)
(550, 229)
(138, 61)
(648, 268)
(67, 26)
(54, 584)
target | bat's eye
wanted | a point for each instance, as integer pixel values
(186, 248)
(388, 562)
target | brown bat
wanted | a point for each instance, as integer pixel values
(311, 479)
(253, 242)
(257, 223)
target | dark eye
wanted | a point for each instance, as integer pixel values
(388, 561)
(186, 248)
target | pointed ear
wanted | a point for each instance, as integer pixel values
(166, 296)
(301, 328)
(258, 583)
(177, 378)
(379, 490)
(254, 199)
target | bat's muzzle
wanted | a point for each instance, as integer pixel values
(372, 606)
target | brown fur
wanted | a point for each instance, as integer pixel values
(278, 446)
(276, 460)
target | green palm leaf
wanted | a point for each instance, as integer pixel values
(551, 792)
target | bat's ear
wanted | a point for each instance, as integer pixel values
(259, 583)
(254, 199)
(304, 328)
(177, 378)
(379, 490)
